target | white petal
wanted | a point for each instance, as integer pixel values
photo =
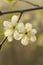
(20, 27)
(34, 31)
(17, 35)
(33, 38)
(25, 40)
(8, 32)
(9, 38)
(14, 20)
(28, 26)
(7, 24)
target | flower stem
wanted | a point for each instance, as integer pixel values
(20, 16)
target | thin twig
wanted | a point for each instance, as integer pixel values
(1, 43)
(30, 3)
(20, 16)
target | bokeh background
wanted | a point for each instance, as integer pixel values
(15, 53)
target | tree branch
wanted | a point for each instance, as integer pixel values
(30, 3)
(21, 11)
(1, 43)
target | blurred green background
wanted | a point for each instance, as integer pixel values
(14, 53)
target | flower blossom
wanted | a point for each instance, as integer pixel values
(9, 27)
(25, 33)
(19, 31)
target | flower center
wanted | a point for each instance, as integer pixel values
(13, 27)
(26, 33)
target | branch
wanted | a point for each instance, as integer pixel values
(21, 11)
(1, 43)
(30, 3)
(20, 16)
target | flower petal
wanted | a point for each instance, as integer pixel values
(25, 40)
(8, 32)
(33, 38)
(28, 26)
(9, 38)
(20, 27)
(17, 35)
(34, 31)
(7, 24)
(14, 20)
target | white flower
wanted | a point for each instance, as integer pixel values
(26, 33)
(9, 27)
(29, 34)
(19, 31)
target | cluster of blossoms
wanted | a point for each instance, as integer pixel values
(19, 31)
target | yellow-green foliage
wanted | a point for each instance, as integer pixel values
(9, 1)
